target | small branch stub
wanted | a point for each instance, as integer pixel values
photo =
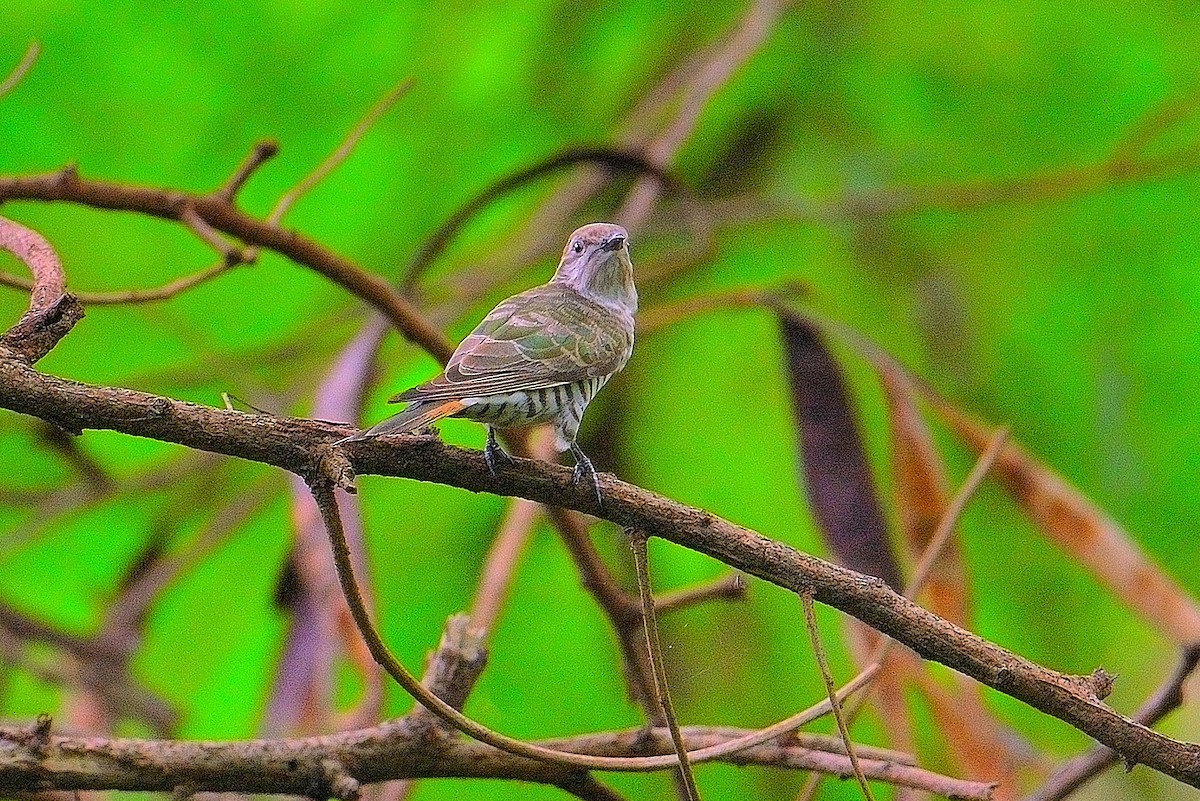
(341, 784)
(52, 312)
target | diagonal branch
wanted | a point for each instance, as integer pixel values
(18, 72)
(1073, 773)
(293, 445)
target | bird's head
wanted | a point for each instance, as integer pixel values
(595, 263)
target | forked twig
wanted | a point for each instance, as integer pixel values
(326, 503)
(322, 491)
(340, 153)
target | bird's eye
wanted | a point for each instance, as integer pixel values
(578, 246)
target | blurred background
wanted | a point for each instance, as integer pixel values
(1002, 196)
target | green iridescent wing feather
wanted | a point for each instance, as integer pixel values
(543, 337)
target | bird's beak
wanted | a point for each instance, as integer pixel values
(613, 244)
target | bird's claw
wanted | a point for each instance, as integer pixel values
(584, 466)
(494, 455)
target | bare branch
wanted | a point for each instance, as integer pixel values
(452, 670)
(291, 444)
(1073, 773)
(386, 752)
(49, 281)
(66, 185)
(263, 151)
(51, 312)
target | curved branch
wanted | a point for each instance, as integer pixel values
(612, 158)
(294, 445)
(52, 312)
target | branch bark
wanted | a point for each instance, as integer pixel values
(32, 759)
(219, 213)
(296, 445)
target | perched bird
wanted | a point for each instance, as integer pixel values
(539, 356)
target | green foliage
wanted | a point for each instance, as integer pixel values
(1073, 319)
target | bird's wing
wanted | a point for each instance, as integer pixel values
(543, 337)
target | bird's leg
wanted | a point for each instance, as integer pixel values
(583, 466)
(493, 454)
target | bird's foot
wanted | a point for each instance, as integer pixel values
(493, 454)
(584, 467)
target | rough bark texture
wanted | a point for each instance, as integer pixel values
(303, 446)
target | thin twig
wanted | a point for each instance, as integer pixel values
(131, 296)
(945, 527)
(814, 636)
(730, 588)
(340, 153)
(503, 557)
(263, 151)
(637, 542)
(937, 542)
(18, 72)
(207, 234)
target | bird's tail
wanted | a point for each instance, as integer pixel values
(417, 415)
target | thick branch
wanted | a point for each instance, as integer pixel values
(292, 444)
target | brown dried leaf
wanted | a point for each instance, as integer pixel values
(922, 495)
(837, 476)
(981, 745)
(1085, 532)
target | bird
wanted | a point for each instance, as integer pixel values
(539, 356)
